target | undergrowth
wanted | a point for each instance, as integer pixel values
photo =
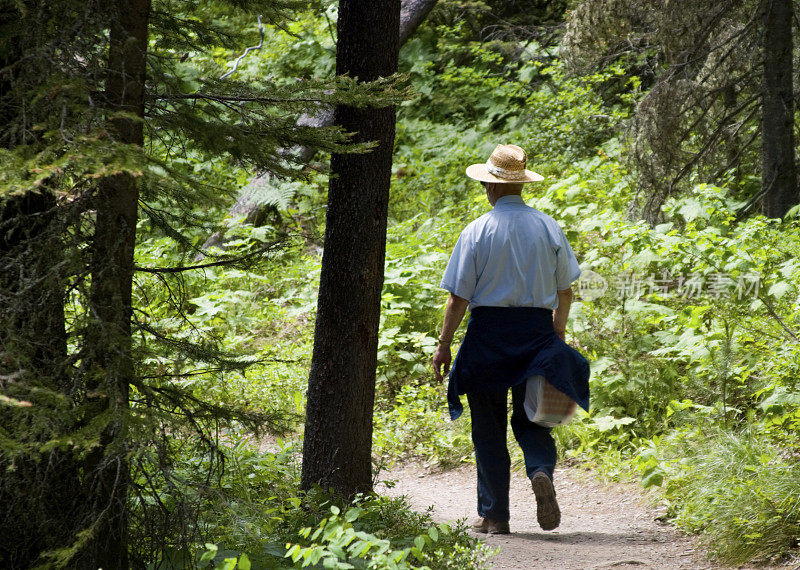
(257, 514)
(737, 488)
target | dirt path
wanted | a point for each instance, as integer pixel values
(602, 526)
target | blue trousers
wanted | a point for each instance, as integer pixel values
(489, 411)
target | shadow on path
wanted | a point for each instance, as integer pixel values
(586, 538)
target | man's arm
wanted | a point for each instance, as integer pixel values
(562, 312)
(453, 314)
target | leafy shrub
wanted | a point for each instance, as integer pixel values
(337, 542)
(706, 377)
(411, 303)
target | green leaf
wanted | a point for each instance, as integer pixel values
(210, 553)
(653, 478)
(298, 401)
(780, 288)
(315, 555)
(607, 423)
(419, 542)
(353, 514)
(361, 548)
(692, 209)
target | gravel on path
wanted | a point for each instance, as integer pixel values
(602, 526)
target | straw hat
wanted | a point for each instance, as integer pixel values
(505, 166)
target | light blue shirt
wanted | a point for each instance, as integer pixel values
(513, 256)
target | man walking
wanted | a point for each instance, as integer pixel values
(513, 268)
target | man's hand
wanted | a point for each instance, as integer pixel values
(453, 313)
(441, 359)
(562, 312)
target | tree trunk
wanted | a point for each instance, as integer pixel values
(341, 386)
(33, 342)
(38, 491)
(109, 365)
(412, 14)
(31, 281)
(731, 139)
(778, 177)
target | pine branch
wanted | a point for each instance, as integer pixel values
(267, 248)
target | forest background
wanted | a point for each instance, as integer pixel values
(645, 120)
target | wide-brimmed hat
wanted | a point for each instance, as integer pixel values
(506, 165)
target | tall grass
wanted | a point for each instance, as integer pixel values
(742, 492)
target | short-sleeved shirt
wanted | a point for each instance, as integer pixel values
(513, 256)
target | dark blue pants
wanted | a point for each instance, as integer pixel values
(489, 411)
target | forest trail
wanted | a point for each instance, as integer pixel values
(602, 526)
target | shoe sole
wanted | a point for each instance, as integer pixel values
(547, 512)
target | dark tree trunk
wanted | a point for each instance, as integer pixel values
(32, 289)
(109, 365)
(412, 14)
(731, 139)
(341, 386)
(778, 177)
(39, 495)
(38, 491)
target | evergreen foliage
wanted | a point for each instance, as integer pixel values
(696, 71)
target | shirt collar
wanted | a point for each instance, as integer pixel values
(511, 200)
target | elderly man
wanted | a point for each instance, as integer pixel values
(514, 268)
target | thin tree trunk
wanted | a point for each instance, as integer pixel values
(109, 362)
(778, 177)
(341, 386)
(731, 140)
